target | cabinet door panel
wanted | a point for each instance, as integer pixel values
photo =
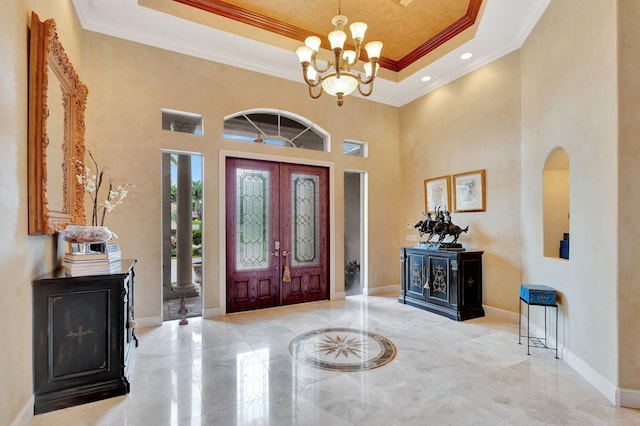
(440, 280)
(471, 282)
(80, 335)
(416, 277)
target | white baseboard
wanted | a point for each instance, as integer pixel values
(211, 313)
(604, 386)
(615, 395)
(369, 291)
(618, 397)
(338, 295)
(25, 415)
(148, 322)
(597, 380)
(628, 398)
(500, 313)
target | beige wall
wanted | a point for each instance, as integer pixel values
(472, 123)
(22, 257)
(129, 85)
(569, 100)
(629, 198)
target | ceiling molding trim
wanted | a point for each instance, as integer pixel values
(257, 20)
(460, 72)
(248, 17)
(231, 58)
(533, 16)
(442, 37)
(266, 23)
(287, 64)
(166, 32)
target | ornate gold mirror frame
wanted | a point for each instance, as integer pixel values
(57, 100)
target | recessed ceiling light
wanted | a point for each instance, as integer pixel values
(466, 56)
(426, 78)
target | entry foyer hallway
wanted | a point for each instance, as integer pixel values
(237, 370)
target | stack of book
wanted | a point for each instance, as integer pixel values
(114, 255)
(76, 264)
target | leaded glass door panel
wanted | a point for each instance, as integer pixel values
(277, 221)
(252, 203)
(304, 225)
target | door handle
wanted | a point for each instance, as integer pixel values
(285, 253)
(276, 253)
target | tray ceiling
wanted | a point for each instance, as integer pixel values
(408, 32)
(424, 37)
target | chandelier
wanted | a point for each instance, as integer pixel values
(339, 79)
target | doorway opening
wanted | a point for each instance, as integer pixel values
(353, 232)
(182, 235)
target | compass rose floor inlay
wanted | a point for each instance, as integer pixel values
(342, 349)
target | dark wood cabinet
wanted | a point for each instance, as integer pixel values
(448, 283)
(83, 337)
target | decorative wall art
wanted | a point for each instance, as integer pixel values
(469, 192)
(437, 194)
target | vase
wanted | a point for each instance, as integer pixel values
(84, 236)
(197, 270)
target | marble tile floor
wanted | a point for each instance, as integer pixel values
(237, 370)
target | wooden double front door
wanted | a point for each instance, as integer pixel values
(277, 222)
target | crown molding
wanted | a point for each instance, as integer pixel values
(504, 27)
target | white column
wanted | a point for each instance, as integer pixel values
(184, 236)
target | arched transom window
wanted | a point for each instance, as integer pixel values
(274, 127)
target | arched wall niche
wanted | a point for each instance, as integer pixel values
(556, 204)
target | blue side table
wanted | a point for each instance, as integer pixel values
(537, 295)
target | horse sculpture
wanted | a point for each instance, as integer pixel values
(454, 231)
(440, 227)
(426, 226)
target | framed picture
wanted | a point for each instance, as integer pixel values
(437, 194)
(469, 193)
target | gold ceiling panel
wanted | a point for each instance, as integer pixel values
(413, 35)
(401, 28)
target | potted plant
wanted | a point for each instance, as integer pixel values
(350, 270)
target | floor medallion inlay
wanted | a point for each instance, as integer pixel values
(342, 349)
